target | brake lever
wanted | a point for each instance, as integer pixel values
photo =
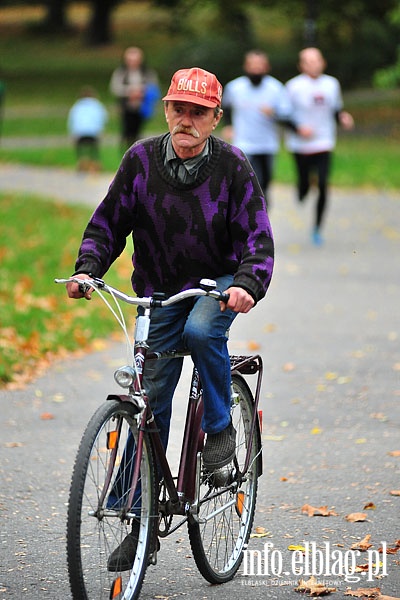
(84, 287)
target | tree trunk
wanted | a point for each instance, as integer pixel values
(55, 20)
(99, 30)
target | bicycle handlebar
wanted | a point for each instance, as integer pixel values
(207, 288)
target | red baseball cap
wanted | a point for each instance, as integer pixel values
(197, 86)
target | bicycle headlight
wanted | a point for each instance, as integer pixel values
(125, 376)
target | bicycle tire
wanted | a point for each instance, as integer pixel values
(91, 538)
(218, 541)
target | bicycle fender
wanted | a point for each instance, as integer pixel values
(124, 398)
(260, 447)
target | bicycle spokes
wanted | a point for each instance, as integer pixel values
(100, 514)
(222, 526)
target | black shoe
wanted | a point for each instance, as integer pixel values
(123, 557)
(219, 449)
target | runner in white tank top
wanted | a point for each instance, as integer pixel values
(317, 107)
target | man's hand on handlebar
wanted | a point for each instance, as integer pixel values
(76, 291)
(239, 301)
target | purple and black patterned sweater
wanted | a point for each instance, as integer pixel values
(182, 232)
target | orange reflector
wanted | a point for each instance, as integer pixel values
(260, 420)
(239, 502)
(116, 588)
(112, 439)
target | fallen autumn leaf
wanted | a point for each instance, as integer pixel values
(313, 588)
(321, 511)
(356, 517)
(46, 416)
(363, 545)
(364, 593)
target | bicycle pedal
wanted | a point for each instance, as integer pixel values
(153, 558)
(153, 555)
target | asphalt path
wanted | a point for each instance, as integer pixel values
(328, 333)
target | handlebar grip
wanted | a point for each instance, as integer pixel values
(224, 298)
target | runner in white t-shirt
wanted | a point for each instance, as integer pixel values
(253, 106)
(317, 108)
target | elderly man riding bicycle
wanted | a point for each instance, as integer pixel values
(194, 208)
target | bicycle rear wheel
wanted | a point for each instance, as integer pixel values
(220, 531)
(95, 527)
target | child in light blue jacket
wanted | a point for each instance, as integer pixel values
(86, 121)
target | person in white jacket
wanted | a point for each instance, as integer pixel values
(317, 108)
(254, 104)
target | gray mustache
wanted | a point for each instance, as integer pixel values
(189, 130)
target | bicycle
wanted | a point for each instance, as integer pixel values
(122, 477)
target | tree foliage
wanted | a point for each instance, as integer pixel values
(389, 77)
(357, 37)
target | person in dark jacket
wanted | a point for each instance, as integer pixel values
(195, 209)
(137, 90)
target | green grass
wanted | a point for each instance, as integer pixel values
(360, 162)
(37, 125)
(110, 157)
(357, 162)
(39, 241)
(48, 120)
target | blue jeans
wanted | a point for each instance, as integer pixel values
(196, 324)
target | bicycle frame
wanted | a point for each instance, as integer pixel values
(124, 497)
(182, 494)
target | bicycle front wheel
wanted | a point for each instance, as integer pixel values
(98, 516)
(220, 531)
